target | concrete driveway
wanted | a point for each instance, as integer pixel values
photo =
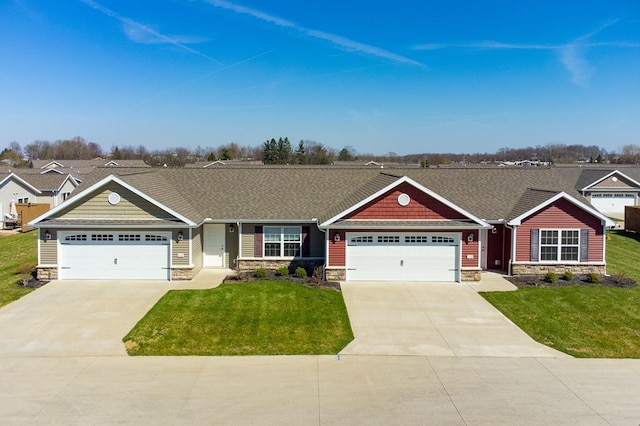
(79, 318)
(434, 319)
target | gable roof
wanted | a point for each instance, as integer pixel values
(518, 219)
(604, 176)
(13, 176)
(97, 186)
(398, 181)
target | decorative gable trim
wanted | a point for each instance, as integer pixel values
(51, 171)
(400, 181)
(605, 220)
(615, 172)
(111, 164)
(20, 180)
(52, 164)
(89, 191)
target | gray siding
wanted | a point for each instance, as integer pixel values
(317, 241)
(231, 244)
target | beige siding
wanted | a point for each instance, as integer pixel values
(247, 239)
(130, 206)
(180, 248)
(48, 249)
(196, 248)
(317, 240)
(620, 183)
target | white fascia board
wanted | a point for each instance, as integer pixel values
(109, 226)
(586, 188)
(351, 227)
(267, 221)
(22, 181)
(51, 171)
(405, 179)
(606, 221)
(91, 189)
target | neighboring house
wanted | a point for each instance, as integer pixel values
(79, 168)
(359, 224)
(24, 186)
(610, 191)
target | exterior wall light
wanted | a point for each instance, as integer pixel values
(180, 236)
(47, 235)
(470, 238)
(336, 237)
(232, 228)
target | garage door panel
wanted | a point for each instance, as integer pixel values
(141, 260)
(368, 260)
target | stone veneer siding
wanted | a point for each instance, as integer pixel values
(541, 269)
(338, 274)
(273, 264)
(182, 274)
(47, 273)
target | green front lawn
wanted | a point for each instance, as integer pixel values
(14, 251)
(584, 321)
(259, 318)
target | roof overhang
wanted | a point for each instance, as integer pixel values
(407, 224)
(401, 180)
(607, 176)
(563, 195)
(21, 181)
(87, 192)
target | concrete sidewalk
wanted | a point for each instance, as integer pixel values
(434, 319)
(318, 390)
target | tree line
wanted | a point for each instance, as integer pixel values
(282, 151)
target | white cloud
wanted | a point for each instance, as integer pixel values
(141, 33)
(572, 55)
(337, 40)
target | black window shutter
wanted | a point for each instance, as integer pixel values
(257, 242)
(584, 245)
(535, 244)
(306, 241)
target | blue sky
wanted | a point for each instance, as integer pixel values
(403, 77)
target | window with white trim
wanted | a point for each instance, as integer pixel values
(559, 245)
(76, 237)
(282, 241)
(153, 237)
(24, 200)
(102, 237)
(129, 237)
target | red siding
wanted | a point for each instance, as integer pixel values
(421, 206)
(471, 249)
(560, 215)
(337, 249)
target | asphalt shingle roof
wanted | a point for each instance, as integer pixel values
(305, 193)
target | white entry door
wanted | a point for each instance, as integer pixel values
(214, 245)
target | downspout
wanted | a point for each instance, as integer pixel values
(513, 245)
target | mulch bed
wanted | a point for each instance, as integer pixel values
(524, 281)
(33, 283)
(246, 277)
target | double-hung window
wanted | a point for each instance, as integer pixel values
(559, 245)
(282, 241)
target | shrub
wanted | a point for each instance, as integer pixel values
(567, 276)
(300, 272)
(26, 272)
(283, 271)
(550, 277)
(318, 274)
(593, 278)
(260, 273)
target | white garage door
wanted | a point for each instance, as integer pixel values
(113, 256)
(612, 202)
(402, 257)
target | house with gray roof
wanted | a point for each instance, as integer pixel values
(24, 186)
(358, 224)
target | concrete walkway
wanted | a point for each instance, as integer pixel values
(434, 319)
(318, 390)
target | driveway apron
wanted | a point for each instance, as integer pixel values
(76, 317)
(432, 319)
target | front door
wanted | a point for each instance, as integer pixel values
(214, 245)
